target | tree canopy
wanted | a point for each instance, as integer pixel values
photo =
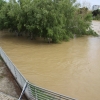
(55, 19)
(96, 14)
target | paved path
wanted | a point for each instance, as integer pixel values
(6, 97)
(9, 90)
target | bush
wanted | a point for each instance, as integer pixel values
(55, 19)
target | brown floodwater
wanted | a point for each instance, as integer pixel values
(71, 68)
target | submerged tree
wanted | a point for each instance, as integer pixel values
(54, 19)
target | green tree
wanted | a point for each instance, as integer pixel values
(57, 20)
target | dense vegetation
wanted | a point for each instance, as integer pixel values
(53, 19)
(96, 14)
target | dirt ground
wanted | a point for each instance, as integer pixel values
(8, 85)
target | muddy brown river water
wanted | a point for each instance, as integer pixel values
(71, 68)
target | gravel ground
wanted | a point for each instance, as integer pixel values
(9, 89)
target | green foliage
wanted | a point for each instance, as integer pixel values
(96, 17)
(2, 2)
(91, 32)
(96, 14)
(55, 19)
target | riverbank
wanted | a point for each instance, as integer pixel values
(9, 89)
(96, 26)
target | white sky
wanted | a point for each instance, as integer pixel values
(92, 2)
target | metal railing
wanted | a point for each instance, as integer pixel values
(32, 91)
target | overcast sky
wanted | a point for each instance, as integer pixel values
(92, 2)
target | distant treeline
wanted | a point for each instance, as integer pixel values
(96, 14)
(56, 20)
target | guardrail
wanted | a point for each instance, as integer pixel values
(32, 91)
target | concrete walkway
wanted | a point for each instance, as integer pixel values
(9, 89)
(6, 97)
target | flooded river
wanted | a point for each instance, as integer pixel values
(70, 68)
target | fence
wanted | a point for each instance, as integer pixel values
(32, 91)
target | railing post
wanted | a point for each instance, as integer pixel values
(23, 90)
